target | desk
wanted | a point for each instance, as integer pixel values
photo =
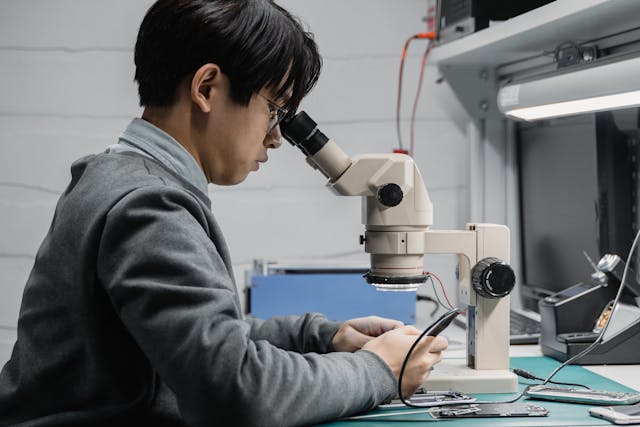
(621, 378)
(627, 375)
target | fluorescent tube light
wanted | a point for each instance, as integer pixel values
(567, 108)
(596, 88)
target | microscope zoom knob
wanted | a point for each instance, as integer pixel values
(492, 278)
(390, 194)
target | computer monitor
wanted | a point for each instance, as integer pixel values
(577, 195)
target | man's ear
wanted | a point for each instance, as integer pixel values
(203, 84)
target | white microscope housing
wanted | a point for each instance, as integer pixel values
(397, 214)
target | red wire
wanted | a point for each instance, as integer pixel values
(430, 36)
(399, 97)
(442, 286)
(415, 101)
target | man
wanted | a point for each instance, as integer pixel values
(131, 314)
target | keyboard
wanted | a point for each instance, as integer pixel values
(523, 329)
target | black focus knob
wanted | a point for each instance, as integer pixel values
(390, 194)
(492, 278)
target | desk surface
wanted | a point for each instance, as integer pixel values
(612, 377)
(627, 375)
(560, 414)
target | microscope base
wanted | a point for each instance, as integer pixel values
(453, 374)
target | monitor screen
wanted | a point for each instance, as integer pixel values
(578, 181)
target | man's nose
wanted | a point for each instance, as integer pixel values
(274, 138)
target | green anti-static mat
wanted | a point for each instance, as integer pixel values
(560, 414)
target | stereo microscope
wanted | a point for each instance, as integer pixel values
(397, 214)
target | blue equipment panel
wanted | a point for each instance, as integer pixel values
(339, 297)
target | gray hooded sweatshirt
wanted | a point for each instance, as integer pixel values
(131, 316)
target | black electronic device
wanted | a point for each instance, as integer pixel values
(431, 398)
(569, 325)
(524, 327)
(490, 410)
(571, 312)
(458, 18)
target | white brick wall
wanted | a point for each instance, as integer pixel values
(66, 90)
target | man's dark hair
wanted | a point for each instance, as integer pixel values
(256, 43)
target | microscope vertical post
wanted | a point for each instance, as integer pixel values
(488, 318)
(486, 368)
(488, 329)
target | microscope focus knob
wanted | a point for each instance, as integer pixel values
(492, 278)
(390, 194)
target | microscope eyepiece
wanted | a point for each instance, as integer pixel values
(303, 132)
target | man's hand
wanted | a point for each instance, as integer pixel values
(355, 333)
(392, 347)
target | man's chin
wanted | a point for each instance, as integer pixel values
(238, 179)
(228, 181)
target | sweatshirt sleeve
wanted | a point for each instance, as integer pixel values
(170, 287)
(304, 334)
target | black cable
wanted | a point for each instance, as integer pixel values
(404, 365)
(528, 375)
(427, 298)
(431, 329)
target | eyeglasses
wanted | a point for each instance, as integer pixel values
(276, 113)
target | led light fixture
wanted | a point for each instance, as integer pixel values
(597, 87)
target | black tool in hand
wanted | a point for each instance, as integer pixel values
(433, 330)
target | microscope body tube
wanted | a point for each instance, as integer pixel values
(330, 160)
(396, 211)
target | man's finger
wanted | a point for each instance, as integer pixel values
(438, 344)
(355, 338)
(407, 330)
(389, 324)
(374, 325)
